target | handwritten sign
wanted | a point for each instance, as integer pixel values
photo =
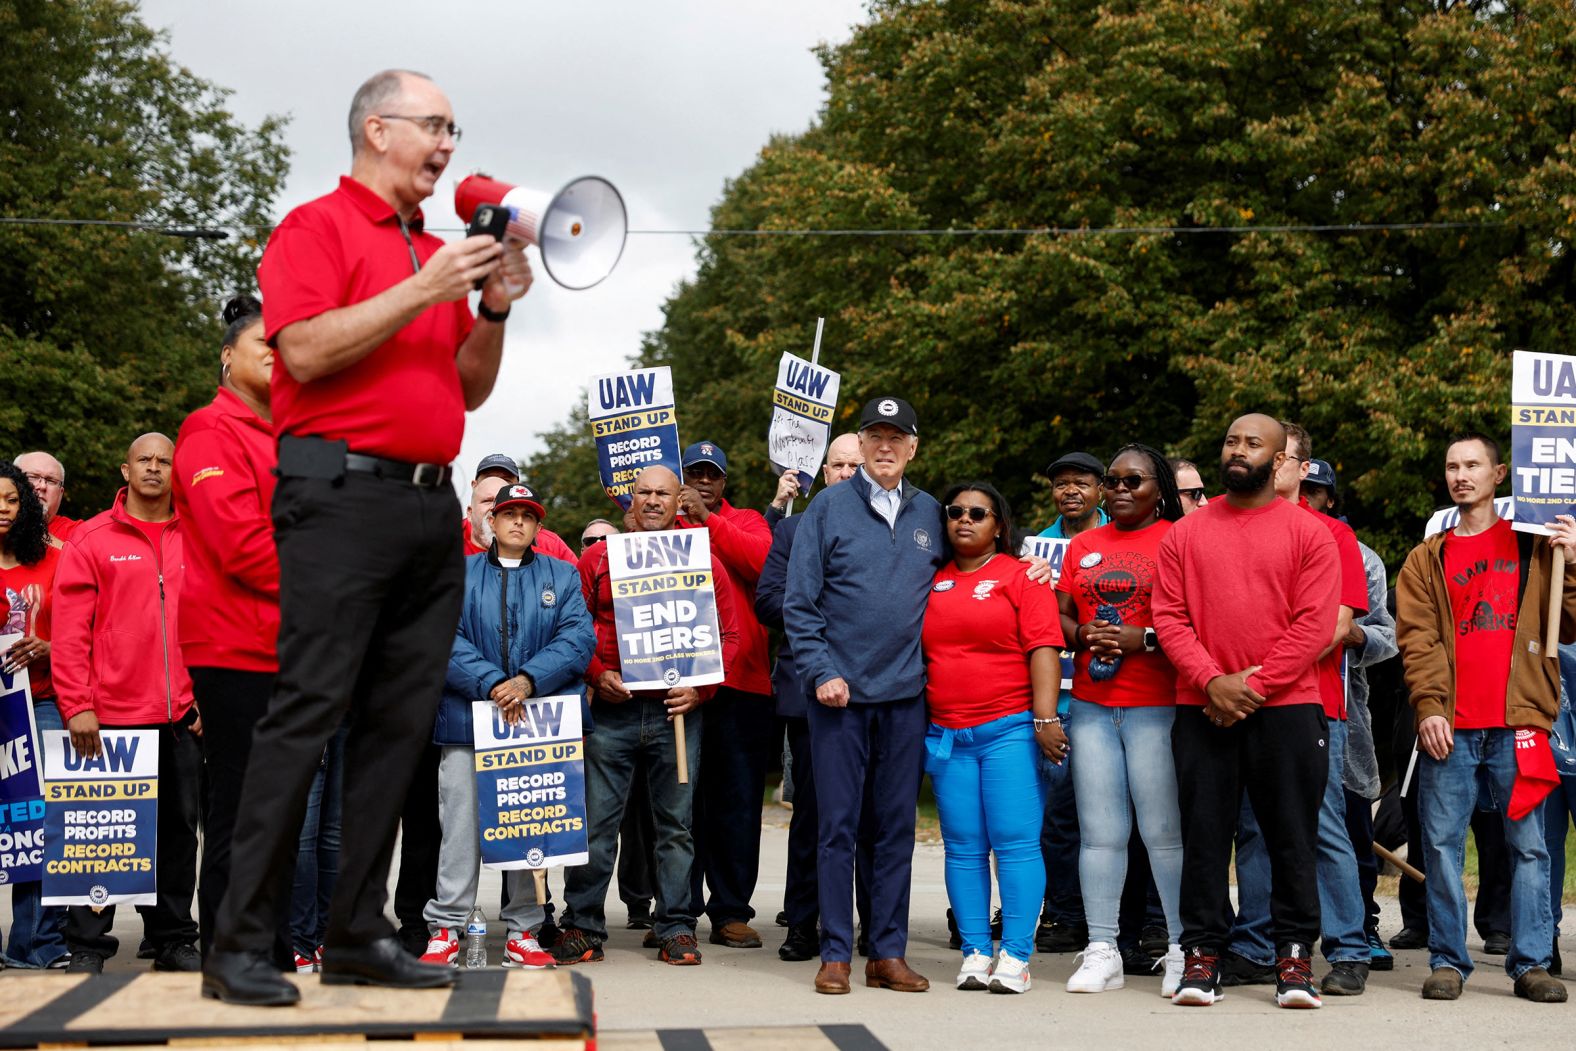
(802, 405)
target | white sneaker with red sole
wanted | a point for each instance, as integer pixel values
(525, 951)
(304, 964)
(443, 948)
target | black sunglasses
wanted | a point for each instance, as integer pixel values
(1193, 494)
(976, 514)
(1112, 482)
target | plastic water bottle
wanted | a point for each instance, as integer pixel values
(476, 939)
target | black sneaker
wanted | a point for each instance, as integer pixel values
(1154, 940)
(1200, 985)
(782, 918)
(1239, 970)
(954, 937)
(1294, 979)
(1136, 961)
(1346, 978)
(803, 943)
(1496, 943)
(547, 934)
(1379, 958)
(639, 918)
(1410, 938)
(146, 950)
(1554, 960)
(178, 957)
(681, 950)
(995, 925)
(85, 962)
(576, 946)
(1055, 936)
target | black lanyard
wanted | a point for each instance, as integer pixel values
(415, 264)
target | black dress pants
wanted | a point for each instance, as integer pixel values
(739, 735)
(168, 921)
(421, 833)
(1280, 757)
(371, 579)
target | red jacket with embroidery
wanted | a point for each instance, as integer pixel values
(117, 602)
(224, 487)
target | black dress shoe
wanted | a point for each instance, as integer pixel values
(1496, 943)
(803, 943)
(248, 978)
(382, 962)
(1410, 938)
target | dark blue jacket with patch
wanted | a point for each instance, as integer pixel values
(855, 599)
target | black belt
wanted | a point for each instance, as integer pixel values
(422, 475)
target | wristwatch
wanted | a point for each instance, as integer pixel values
(1151, 641)
(495, 316)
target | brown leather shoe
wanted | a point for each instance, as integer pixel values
(832, 978)
(895, 974)
(736, 934)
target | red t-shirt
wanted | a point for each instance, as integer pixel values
(62, 527)
(402, 401)
(152, 530)
(1354, 593)
(1107, 566)
(25, 592)
(979, 630)
(1483, 574)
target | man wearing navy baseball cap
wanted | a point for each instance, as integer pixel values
(858, 579)
(740, 733)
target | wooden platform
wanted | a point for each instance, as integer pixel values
(129, 1008)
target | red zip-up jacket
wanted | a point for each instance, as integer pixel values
(740, 540)
(117, 601)
(224, 486)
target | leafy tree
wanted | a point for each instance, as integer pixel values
(1172, 118)
(109, 332)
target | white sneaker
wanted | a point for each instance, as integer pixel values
(1010, 975)
(1172, 961)
(1100, 971)
(975, 972)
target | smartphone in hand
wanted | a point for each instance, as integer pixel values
(490, 219)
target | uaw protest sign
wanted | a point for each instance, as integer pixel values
(665, 608)
(101, 819)
(21, 778)
(1542, 438)
(1053, 550)
(633, 422)
(531, 784)
(802, 405)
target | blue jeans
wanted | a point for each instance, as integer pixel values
(1125, 766)
(636, 735)
(37, 933)
(1480, 771)
(317, 863)
(1557, 811)
(979, 775)
(1342, 911)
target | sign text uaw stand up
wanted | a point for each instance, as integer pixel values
(1543, 458)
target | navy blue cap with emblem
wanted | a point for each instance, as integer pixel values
(706, 452)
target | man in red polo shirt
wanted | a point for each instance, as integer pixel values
(381, 359)
(741, 729)
(48, 478)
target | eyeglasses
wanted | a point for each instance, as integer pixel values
(1193, 494)
(44, 479)
(976, 514)
(434, 125)
(1113, 482)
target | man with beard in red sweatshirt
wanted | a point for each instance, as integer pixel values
(1244, 604)
(117, 664)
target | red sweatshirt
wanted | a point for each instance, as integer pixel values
(547, 543)
(224, 487)
(25, 594)
(1235, 588)
(740, 539)
(596, 584)
(1354, 593)
(117, 602)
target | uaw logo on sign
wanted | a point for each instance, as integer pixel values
(530, 784)
(633, 422)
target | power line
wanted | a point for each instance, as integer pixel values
(219, 232)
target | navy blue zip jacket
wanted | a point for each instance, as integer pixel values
(857, 588)
(550, 636)
(769, 592)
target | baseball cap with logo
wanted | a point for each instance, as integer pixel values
(893, 411)
(1321, 473)
(518, 495)
(499, 462)
(706, 452)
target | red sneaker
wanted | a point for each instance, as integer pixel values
(304, 964)
(443, 948)
(526, 952)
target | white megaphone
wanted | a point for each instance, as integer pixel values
(579, 230)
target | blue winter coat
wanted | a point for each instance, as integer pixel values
(550, 636)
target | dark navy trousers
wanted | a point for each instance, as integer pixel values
(885, 740)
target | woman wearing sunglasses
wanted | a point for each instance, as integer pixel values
(992, 642)
(1124, 701)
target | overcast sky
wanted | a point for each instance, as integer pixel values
(666, 99)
